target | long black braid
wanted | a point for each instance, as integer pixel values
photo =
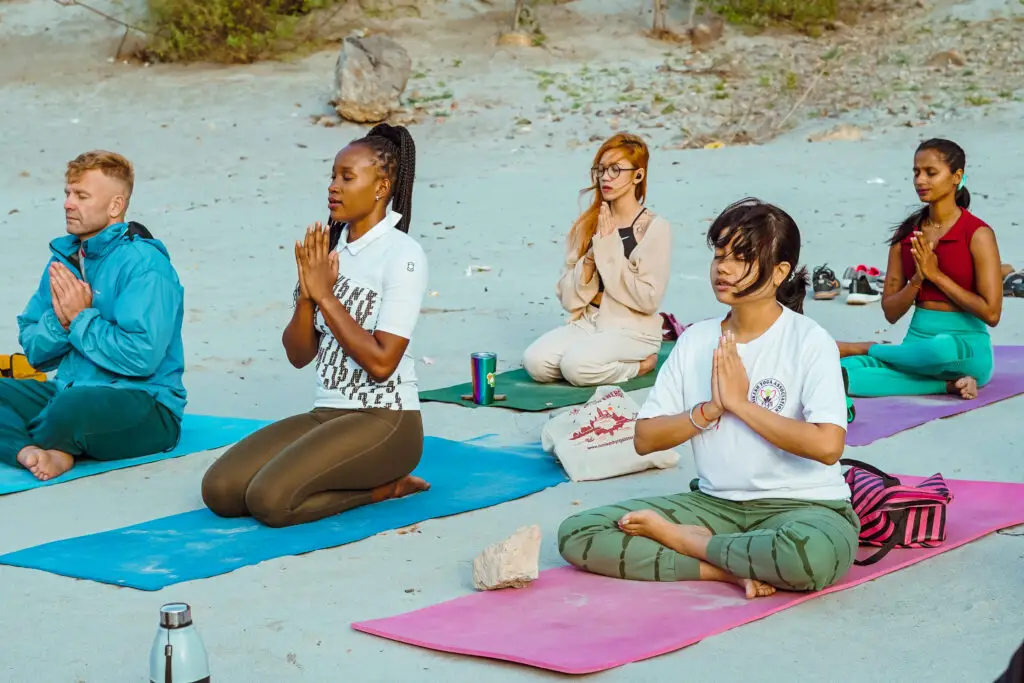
(396, 155)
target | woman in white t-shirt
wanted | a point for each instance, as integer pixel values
(759, 395)
(361, 285)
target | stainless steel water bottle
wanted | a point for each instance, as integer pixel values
(178, 654)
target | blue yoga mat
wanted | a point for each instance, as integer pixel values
(198, 433)
(198, 544)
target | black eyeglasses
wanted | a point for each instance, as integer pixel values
(613, 171)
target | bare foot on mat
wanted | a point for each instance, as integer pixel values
(683, 538)
(45, 465)
(967, 387)
(690, 540)
(647, 365)
(399, 488)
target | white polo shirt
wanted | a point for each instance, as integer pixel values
(793, 370)
(382, 278)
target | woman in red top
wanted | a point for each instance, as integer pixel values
(944, 262)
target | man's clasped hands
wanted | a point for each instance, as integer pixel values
(70, 295)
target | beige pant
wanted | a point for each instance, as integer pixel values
(584, 356)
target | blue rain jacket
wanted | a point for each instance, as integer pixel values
(131, 337)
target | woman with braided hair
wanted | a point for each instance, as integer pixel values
(361, 283)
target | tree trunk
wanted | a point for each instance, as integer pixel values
(515, 15)
(659, 16)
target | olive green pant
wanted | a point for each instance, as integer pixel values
(314, 465)
(796, 545)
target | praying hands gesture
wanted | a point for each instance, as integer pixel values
(69, 295)
(317, 265)
(924, 256)
(729, 382)
(605, 225)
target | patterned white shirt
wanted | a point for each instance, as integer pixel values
(382, 279)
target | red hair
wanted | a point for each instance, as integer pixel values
(635, 151)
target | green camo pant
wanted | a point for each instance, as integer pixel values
(797, 545)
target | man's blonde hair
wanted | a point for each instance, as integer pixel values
(110, 164)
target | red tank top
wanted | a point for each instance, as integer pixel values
(954, 254)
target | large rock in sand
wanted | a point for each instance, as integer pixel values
(512, 563)
(369, 78)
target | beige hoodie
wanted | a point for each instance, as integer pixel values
(633, 288)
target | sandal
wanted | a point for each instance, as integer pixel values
(1013, 284)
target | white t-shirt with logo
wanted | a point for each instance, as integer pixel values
(382, 279)
(794, 371)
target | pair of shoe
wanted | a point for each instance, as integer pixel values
(1013, 284)
(862, 284)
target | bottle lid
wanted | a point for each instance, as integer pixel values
(175, 615)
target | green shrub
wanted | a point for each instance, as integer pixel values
(231, 31)
(802, 14)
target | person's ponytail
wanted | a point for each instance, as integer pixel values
(793, 291)
(963, 198)
(404, 175)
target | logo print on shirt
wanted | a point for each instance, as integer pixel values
(410, 266)
(769, 393)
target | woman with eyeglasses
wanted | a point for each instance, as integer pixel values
(616, 271)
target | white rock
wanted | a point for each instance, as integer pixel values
(370, 76)
(512, 563)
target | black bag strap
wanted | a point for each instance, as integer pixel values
(898, 534)
(138, 230)
(888, 478)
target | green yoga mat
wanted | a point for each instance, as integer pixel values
(522, 393)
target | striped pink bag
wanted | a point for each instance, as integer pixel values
(893, 515)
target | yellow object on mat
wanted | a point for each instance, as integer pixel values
(16, 366)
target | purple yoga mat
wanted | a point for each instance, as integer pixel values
(878, 418)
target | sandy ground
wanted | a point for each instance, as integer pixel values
(230, 171)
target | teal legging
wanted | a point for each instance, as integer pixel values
(939, 346)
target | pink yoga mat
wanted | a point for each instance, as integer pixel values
(878, 418)
(577, 623)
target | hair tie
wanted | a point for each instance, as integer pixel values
(963, 181)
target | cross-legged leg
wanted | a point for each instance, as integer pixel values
(21, 401)
(627, 540)
(794, 545)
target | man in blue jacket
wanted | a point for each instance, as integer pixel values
(107, 316)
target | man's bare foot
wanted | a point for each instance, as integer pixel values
(847, 349)
(399, 488)
(967, 387)
(648, 364)
(686, 539)
(43, 464)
